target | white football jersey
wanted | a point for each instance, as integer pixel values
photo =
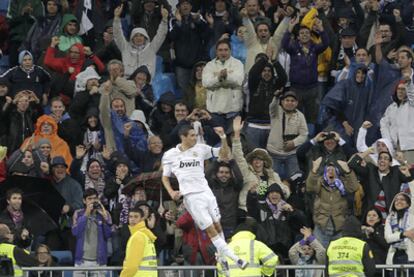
(188, 166)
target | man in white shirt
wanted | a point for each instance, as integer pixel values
(223, 77)
(186, 162)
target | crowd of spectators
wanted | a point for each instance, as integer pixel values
(316, 98)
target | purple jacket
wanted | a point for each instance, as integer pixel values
(304, 68)
(104, 233)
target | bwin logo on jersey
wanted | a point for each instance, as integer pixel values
(192, 163)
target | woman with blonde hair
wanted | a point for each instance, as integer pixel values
(45, 259)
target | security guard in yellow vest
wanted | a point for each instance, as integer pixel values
(261, 258)
(20, 258)
(349, 256)
(141, 258)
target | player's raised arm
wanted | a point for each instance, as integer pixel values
(224, 152)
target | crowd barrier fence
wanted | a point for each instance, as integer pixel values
(197, 271)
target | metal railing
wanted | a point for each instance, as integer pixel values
(197, 271)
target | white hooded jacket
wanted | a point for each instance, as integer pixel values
(392, 237)
(397, 124)
(134, 57)
(361, 146)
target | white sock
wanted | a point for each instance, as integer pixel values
(223, 248)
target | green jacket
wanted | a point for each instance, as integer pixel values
(66, 41)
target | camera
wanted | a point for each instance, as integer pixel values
(97, 206)
(329, 136)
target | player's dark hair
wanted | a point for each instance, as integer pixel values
(183, 131)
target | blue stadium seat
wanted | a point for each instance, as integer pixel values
(4, 4)
(64, 258)
(4, 64)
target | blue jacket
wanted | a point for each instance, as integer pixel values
(304, 68)
(104, 233)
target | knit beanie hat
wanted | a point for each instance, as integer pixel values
(43, 141)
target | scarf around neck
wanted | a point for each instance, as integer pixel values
(17, 216)
(399, 224)
(337, 183)
(276, 209)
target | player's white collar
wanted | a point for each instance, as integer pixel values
(179, 147)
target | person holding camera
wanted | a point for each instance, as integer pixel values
(326, 144)
(288, 131)
(92, 229)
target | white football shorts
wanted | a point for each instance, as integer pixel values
(203, 208)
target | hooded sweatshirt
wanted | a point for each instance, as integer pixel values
(59, 146)
(135, 56)
(66, 40)
(396, 223)
(397, 124)
(361, 147)
(348, 100)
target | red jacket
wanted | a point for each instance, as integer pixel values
(3, 170)
(62, 65)
(195, 238)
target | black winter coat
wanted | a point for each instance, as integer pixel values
(5, 218)
(378, 244)
(21, 126)
(227, 194)
(37, 80)
(372, 184)
(280, 233)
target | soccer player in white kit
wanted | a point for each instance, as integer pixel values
(186, 161)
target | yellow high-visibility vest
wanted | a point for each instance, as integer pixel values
(148, 266)
(7, 249)
(262, 260)
(345, 257)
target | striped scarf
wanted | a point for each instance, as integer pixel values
(336, 183)
(399, 225)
